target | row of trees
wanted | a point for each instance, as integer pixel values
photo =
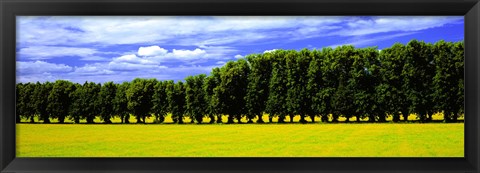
(417, 78)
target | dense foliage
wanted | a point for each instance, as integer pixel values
(418, 78)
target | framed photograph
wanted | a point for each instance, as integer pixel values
(239, 86)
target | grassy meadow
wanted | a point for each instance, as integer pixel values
(242, 140)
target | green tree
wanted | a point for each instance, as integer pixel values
(258, 85)
(59, 99)
(40, 96)
(195, 97)
(20, 105)
(339, 65)
(176, 99)
(213, 108)
(391, 93)
(446, 80)
(89, 101)
(319, 103)
(121, 102)
(77, 106)
(233, 88)
(277, 98)
(160, 102)
(298, 100)
(363, 83)
(28, 101)
(418, 73)
(106, 101)
(459, 57)
(139, 96)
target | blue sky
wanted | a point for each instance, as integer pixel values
(121, 48)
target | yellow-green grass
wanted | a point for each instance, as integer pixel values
(241, 140)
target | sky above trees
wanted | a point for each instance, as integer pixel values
(101, 49)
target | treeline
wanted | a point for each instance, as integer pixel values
(418, 78)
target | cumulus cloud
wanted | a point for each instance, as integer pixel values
(238, 56)
(187, 53)
(151, 51)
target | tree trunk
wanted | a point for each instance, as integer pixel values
(143, 119)
(291, 118)
(180, 120)
(423, 117)
(396, 117)
(446, 117)
(281, 119)
(313, 118)
(358, 118)
(270, 119)
(107, 120)
(212, 119)
(90, 119)
(405, 116)
(455, 117)
(348, 119)
(46, 120)
(139, 120)
(429, 118)
(250, 121)
(382, 118)
(334, 118)
(219, 119)
(230, 119)
(161, 119)
(127, 119)
(302, 119)
(239, 119)
(260, 119)
(61, 120)
(77, 120)
(32, 119)
(199, 119)
(371, 118)
(325, 118)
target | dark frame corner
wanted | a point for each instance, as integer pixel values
(10, 8)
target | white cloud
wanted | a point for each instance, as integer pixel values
(207, 30)
(269, 51)
(151, 51)
(189, 54)
(134, 59)
(39, 77)
(238, 56)
(361, 41)
(125, 66)
(39, 67)
(48, 52)
(92, 69)
(382, 24)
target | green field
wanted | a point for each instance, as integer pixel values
(241, 140)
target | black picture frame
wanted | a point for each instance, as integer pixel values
(11, 8)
